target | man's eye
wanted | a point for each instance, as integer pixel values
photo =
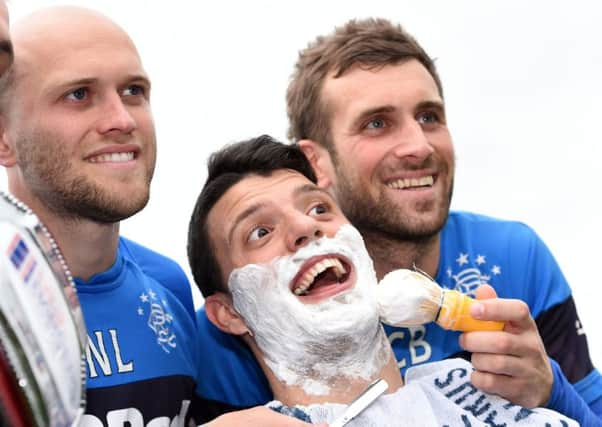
(428, 117)
(134, 90)
(257, 233)
(376, 124)
(78, 94)
(318, 209)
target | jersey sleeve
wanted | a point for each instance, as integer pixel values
(553, 308)
(566, 400)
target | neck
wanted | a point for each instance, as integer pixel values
(390, 254)
(89, 247)
(340, 388)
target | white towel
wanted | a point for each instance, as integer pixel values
(439, 394)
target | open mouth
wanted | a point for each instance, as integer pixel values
(322, 276)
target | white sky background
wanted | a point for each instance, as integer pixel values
(523, 87)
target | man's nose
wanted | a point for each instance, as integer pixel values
(412, 142)
(116, 117)
(303, 230)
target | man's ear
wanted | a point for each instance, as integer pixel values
(8, 156)
(320, 160)
(221, 313)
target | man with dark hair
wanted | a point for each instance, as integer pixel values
(293, 280)
(225, 169)
(365, 104)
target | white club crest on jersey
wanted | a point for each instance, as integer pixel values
(468, 272)
(159, 319)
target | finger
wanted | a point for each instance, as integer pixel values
(503, 310)
(485, 292)
(492, 342)
(500, 364)
(492, 383)
(510, 388)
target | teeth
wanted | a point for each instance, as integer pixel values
(307, 279)
(412, 182)
(113, 157)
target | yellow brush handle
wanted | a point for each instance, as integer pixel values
(455, 315)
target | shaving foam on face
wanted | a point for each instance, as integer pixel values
(401, 297)
(311, 345)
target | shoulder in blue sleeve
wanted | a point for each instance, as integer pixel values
(228, 372)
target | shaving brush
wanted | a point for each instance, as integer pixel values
(409, 298)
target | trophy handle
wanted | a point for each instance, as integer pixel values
(42, 332)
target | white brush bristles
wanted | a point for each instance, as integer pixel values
(407, 298)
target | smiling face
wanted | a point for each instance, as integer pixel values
(393, 161)
(299, 276)
(80, 122)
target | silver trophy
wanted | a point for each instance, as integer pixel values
(42, 333)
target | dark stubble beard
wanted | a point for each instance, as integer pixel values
(381, 217)
(47, 172)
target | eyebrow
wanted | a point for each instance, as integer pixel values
(389, 108)
(59, 88)
(251, 210)
(82, 81)
(87, 81)
(244, 215)
(137, 78)
(439, 105)
(370, 112)
(309, 188)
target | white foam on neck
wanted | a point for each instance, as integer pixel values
(313, 345)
